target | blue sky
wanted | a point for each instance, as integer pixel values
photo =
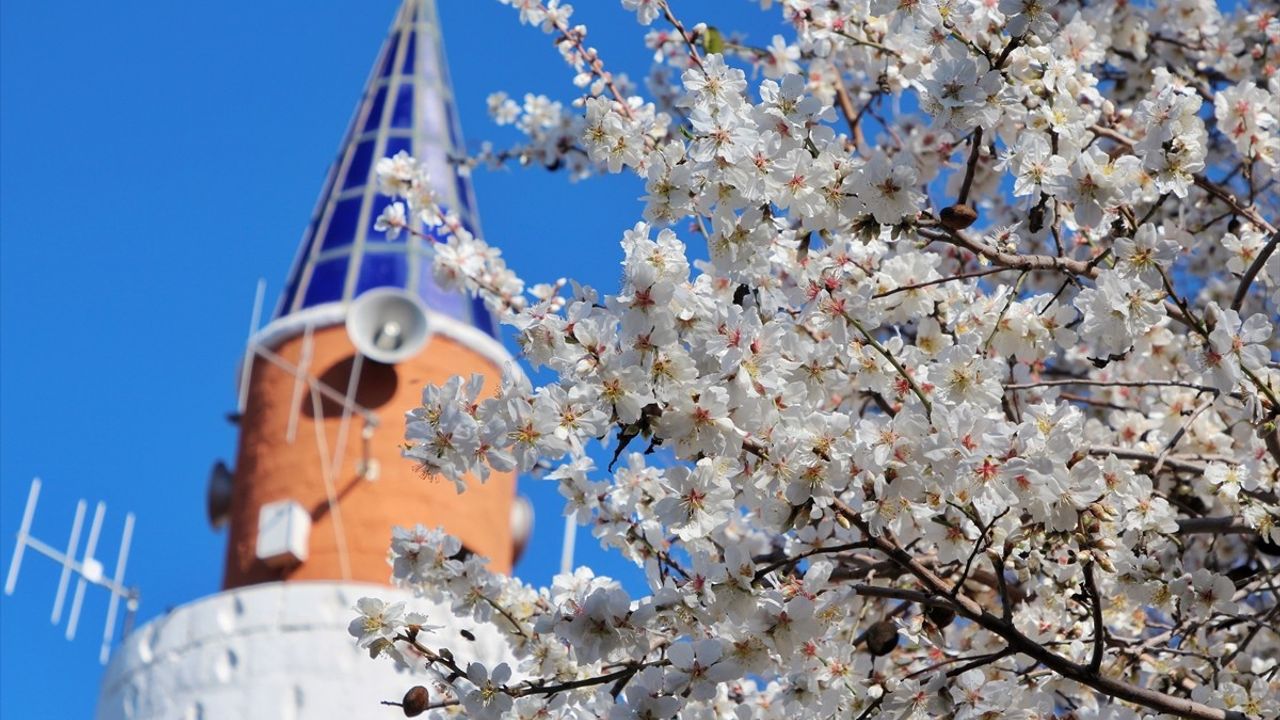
(156, 159)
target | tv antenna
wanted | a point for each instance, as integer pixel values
(88, 568)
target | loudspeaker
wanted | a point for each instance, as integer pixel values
(218, 494)
(387, 324)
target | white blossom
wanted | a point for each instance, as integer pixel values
(860, 361)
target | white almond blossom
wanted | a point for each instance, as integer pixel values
(940, 377)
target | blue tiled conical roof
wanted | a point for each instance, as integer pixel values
(407, 105)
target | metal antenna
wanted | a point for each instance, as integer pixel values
(567, 545)
(21, 547)
(67, 559)
(131, 606)
(246, 370)
(88, 569)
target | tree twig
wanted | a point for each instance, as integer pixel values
(1099, 630)
(970, 609)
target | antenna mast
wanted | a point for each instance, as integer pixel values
(88, 568)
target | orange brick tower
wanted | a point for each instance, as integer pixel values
(331, 459)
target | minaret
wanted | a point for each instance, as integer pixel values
(407, 106)
(319, 480)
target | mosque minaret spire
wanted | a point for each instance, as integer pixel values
(319, 482)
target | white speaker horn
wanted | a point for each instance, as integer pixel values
(387, 324)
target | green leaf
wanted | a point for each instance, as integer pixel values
(713, 41)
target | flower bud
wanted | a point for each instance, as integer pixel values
(1089, 522)
(882, 637)
(1035, 219)
(415, 701)
(959, 216)
(940, 615)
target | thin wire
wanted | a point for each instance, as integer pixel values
(322, 445)
(299, 377)
(315, 383)
(353, 384)
(246, 370)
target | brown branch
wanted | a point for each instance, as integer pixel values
(928, 406)
(971, 167)
(979, 662)
(1020, 643)
(997, 568)
(1253, 632)
(1099, 630)
(1225, 525)
(940, 281)
(1252, 271)
(593, 61)
(1182, 431)
(851, 116)
(1009, 260)
(863, 42)
(684, 34)
(970, 662)
(530, 687)
(762, 572)
(1053, 263)
(1141, 455)
(507, 615)
(1201, 182)
(977, 548)
(915, 596)
(1230, 201)
(1107, 383)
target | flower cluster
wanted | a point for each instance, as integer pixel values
(963, 414)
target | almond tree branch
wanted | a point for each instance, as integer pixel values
(851, 116)
(971, 166)
(1201, 182)
(1252, 271)
(684, 34)
(763, 571)
(1099, 629)
(529, 687)
(970, 609)
(1182, 430)
(928, 406)
(941, 281)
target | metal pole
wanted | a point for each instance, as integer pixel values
(246, 370)
(20, 547)
(299, 378)
(122, 557)
(68, 560)
(89, 549)
(570, 538)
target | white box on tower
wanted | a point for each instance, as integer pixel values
(284, 528)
